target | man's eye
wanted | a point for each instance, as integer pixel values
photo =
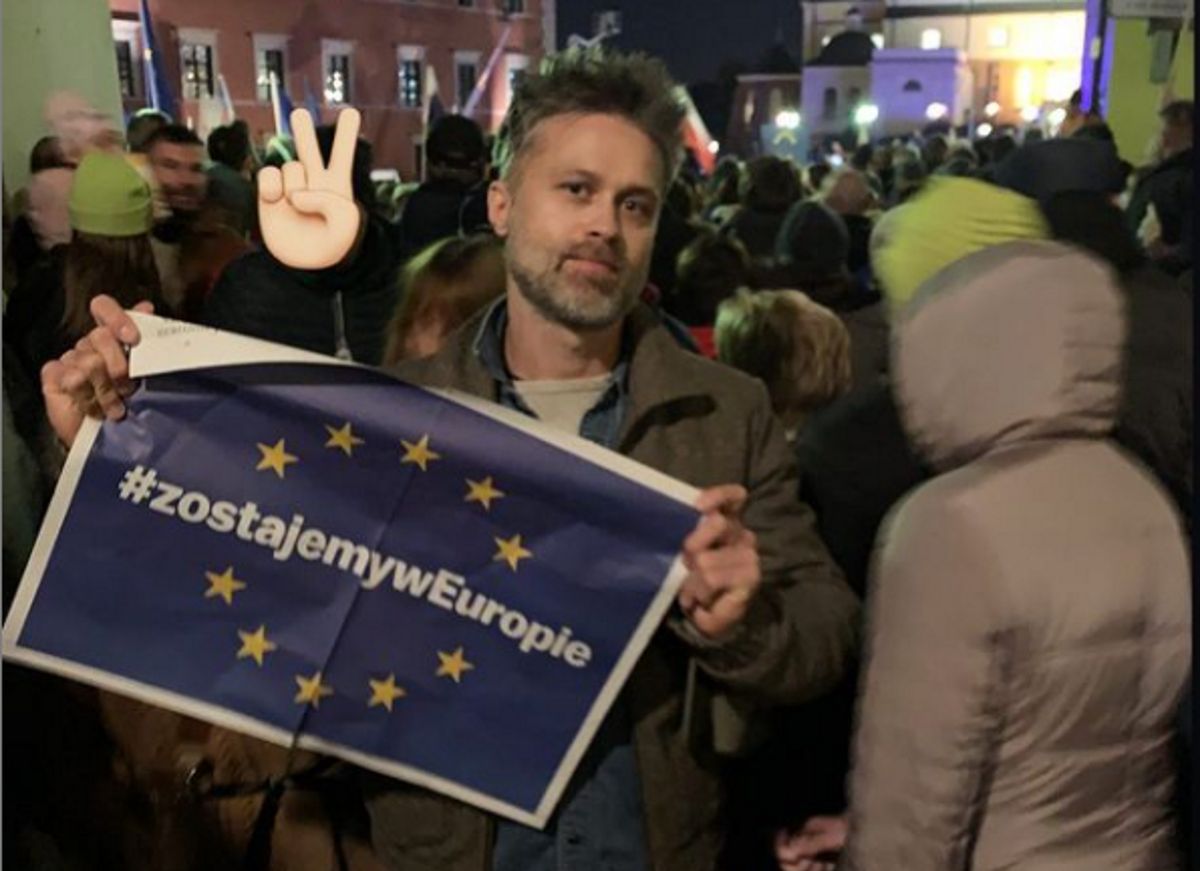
(638, 207)
(576, 188)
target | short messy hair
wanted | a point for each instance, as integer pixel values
(590, 80)
(799, 349)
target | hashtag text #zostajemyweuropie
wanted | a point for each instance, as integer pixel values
(443, 589)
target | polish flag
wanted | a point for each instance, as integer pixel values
(696, 137)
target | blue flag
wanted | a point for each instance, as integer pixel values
(424, 586)
(312, 103)
(158, 89)
(285, 108)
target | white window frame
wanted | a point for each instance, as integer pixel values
(264, 42)
(512, 63)
(131, 32)
(330, 47)
(460, 58)
(931, 39)
(199, 36)
(410, 53)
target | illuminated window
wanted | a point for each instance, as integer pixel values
(270, 58)
(338, 71)
(409, 66)
(931, 39)
(829, 104)
(518, 67)
(198, 62)
(125, 68)
(1061, 82)
(1023, 89)
(466, 74)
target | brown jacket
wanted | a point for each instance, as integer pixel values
(705, 424)
(1029, 628)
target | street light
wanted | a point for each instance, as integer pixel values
(992, 109)
(983, 131)
(788, 119)
(936, 111)
(866, 114)
(714, 147)
(1030, 114)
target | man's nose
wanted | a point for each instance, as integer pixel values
(602, 221)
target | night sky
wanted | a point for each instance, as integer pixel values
(694, 37)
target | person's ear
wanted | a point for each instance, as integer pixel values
(499, 203)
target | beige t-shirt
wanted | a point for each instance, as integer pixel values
(562, 404)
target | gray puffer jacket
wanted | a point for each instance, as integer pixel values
(1029, 622)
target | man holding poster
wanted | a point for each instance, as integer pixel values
(586, 154)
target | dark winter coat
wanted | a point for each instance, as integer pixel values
(329, 311)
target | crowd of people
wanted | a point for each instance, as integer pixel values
(939, 401)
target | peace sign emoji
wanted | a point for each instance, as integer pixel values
(307, 212)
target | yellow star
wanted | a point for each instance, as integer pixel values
(311, 690)
(453, 665)
(483, 492)
(511, 551)
(274, 458)
(384, 692)
(255, 644)
(342, 438)
(419, 453)
(223, 585)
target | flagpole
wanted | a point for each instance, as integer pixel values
(477, 91)
(429, 93)
(148, 76)
(226, 99)
(273, 85)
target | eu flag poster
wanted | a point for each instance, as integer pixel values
(313, 552)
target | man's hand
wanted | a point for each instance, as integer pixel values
(92, 379)
(814, 847)
(307, 212)
(722, 559)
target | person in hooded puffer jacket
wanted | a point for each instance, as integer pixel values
(1029, 629)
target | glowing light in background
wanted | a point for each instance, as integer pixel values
(867, 113)
(788, 119)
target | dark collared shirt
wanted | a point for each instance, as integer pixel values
(600, 822)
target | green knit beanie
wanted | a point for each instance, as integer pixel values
(109, 198)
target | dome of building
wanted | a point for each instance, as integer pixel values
(850, 48)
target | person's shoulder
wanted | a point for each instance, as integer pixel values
(454, 367)
(692, 372)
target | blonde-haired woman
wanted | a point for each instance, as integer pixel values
(799, 349)
(441, 287)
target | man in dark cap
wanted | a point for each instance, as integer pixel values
(812, 253)
(452, 200)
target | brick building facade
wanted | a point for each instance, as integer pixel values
(370, 54)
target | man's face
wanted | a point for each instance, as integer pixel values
(1174, 138)
(578, 213)
(179, 170)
